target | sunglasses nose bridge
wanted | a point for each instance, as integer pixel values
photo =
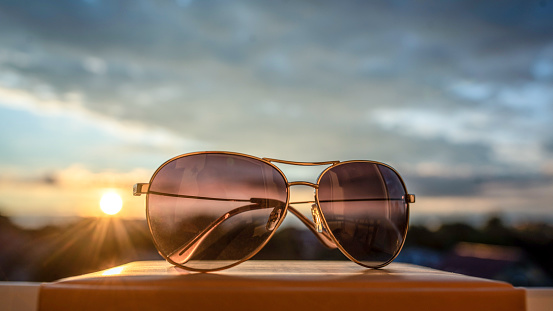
(303, 183)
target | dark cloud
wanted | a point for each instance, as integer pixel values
(446, 187)
(307, 79)
(473, 186)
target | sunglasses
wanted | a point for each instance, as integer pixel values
(210, 211)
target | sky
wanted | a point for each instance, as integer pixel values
(456, 95)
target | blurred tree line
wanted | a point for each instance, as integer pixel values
(521, 255)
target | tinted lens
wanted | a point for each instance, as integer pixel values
(211, 210)
(364, 207)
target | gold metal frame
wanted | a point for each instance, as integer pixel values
(325, 236)
(409, 198)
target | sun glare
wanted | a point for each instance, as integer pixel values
(111, 203)
(113, 271)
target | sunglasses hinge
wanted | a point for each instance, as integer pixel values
(140, 188)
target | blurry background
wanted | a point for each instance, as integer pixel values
(456, 95)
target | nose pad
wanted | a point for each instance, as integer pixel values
(274, 218)
(317, 218)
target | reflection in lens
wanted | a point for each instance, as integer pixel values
(364, 207)
(211, 210)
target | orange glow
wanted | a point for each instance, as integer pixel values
(113, 271)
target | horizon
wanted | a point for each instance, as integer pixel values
(430, 221)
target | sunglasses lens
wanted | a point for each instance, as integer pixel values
(364, 207)
(210, 211)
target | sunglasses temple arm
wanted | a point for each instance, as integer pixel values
(190, 247)
(323, 237)
(185, 252)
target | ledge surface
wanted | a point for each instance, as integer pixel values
(278, 285)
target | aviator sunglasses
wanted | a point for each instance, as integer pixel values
(209, 211)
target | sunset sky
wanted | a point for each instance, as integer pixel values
(456, 95)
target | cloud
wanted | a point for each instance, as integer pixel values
(73, 190)
(518, 199)
(439, 90)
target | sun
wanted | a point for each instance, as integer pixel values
(111, 203)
